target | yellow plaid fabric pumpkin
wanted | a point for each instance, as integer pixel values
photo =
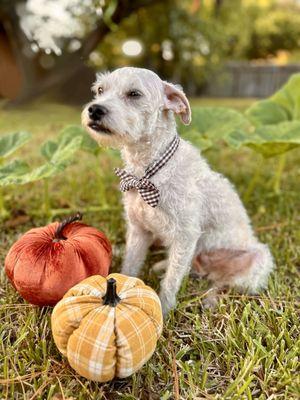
(107, 327)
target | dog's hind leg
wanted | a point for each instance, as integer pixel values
(246, 269)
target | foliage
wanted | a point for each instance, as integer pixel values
(87, 143)
(68, 21)
(15, 169)
(11, 142)
(283, 106)
(214, 124)
(8, 145)
(184, 44)
(276, 121)
(267, 28)
(270, 127)
(271, 140)
(188, 43)
(279, 31)
(57, 154)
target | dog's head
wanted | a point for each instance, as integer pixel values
(130, 104)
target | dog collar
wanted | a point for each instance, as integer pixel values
(148, 191)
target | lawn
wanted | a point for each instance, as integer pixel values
(247, 348)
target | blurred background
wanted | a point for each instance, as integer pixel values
(224, 48)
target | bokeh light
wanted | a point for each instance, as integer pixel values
(132, 48)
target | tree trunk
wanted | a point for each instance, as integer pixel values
(36, 80)
(218, 5)
(11, 81)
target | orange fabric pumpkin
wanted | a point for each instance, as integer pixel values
(46, 262)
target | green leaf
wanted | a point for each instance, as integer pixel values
(59, 156)
(10, 143)
(23, 176)
(276, 121)
(284, 105)
(288, 97)
(269, 140)
(88, 144)
(212, 124)
(48, 149)
(65, 150)
(198, 140)
(14, 169)
(267, 112)
(45, 171)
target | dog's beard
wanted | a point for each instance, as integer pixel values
(105, 139)
(100, 128)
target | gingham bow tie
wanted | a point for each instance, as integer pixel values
(148, 191)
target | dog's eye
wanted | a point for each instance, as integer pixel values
(134, 93)
(100, 90)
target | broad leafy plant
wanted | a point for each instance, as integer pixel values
(214, 124)
(270, 127)
(12, 142)
(276, 126)
(8, 145)
(276, 122)
(57, 155)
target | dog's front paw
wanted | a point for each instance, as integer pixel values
(129, 271)
(168, 302)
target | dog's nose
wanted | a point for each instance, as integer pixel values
(97, 112)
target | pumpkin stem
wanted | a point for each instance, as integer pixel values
(58, 233)
(111, 298)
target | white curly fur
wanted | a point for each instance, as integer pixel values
(199, 211)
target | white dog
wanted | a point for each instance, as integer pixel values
(199, 216)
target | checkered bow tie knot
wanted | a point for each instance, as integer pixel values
(148, 191)
(146, 188)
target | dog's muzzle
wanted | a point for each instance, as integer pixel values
(96, 114)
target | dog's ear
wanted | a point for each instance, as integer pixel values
(177, 101)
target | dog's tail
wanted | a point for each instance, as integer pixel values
(256, 277)
(247, 269)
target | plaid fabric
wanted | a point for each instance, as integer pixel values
(100, 341)
(147, 190)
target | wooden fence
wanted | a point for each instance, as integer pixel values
(248, 80)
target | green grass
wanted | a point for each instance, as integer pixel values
(248, 348)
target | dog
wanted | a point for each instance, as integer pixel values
(199, 216)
